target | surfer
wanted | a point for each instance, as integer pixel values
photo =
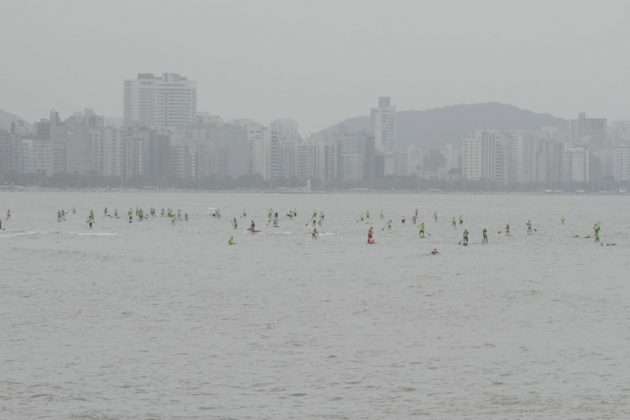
(530, 227)
(435, 252)
(465, 238)
(461, 220)
(485, 236)
(421, 230)
(231, 241)
(314, 234)
(507, 229)
(596, 229)
(454, 223)
(252, 227)
(435, 216)
(370, 240)
(235, 223)
(389, 224)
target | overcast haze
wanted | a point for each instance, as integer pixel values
(319, 61)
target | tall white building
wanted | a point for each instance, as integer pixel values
(622, 164)
(578, 164)
(163, 101)
(479, 156)
(259, 138)
(108, 148)
(384, 126)
(284, 138)
(524, 156)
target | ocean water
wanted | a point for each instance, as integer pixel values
(158, 321)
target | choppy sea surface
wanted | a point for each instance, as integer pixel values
(158, 321)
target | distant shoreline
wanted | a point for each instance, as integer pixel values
(31, 189)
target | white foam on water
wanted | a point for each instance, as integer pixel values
(94, 233)
(15, 234)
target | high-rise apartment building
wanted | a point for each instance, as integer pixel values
(622, 164)
(479, 156)
(237, 151)
(6, 151)
(355, 157)
(284, 138)
(588, 131)
(578, 164)
(384, 126)
(163, 101)
(259, 138)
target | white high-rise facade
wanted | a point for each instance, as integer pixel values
(163, 101)
(384, 126)
(259, 138)
(578, 164)
(479, 156)
(622, 164)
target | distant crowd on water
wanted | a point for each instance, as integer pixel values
(314, 222)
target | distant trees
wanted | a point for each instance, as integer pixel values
(256, 182)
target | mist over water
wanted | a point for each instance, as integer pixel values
(153, 320)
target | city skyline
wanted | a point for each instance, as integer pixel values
(164, 141)
(251, 64)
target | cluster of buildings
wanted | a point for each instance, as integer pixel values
(588, 150)
(163, 137)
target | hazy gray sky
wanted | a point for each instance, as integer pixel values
(319, 61)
